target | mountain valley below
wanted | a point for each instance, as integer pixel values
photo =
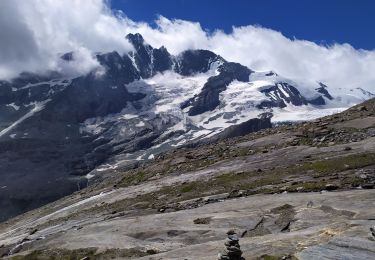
(300, 190)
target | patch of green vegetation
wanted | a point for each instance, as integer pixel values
(224, 179)
(308, 186)
(341, 163)
(310, 176)
(270, 257)
(263, 181)
(187, 187)
(305, 141)
(246, 180)
(272, 179)
(133, 179)
(224, 183)
(353, 181)
(240, 152)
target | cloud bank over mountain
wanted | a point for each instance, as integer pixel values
(35, 33)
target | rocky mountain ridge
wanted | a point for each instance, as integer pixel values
(57, 131)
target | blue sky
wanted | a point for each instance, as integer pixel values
(321, 21)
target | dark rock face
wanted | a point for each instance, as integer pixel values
(250, 126)
(323, 90)
(283, 93)
(68, 56)
(39, 172)
(52, 153)
(89, 97)
(119, 70)
(280, 94)
(32, 78)
(196, 61)
(142, 54)
(49, 150)
(148, 60)
(318, 101)
(271, 73)
(162, 60)
(208, 99)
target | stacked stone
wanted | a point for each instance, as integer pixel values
(232, 249)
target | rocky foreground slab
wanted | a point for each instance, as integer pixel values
(328, 225)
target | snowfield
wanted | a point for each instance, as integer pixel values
(165, 92)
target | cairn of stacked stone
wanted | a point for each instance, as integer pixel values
(232, 249)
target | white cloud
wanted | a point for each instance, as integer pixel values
(34, 31)
(338, 65)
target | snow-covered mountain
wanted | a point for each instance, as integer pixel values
(55, 131)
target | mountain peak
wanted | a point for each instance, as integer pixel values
(323, 90)
(69, 56)
(135, 39)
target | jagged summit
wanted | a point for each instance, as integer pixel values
(69, 56)
(136, 39)
(148, 60)
(323, 89)
(194, 61)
